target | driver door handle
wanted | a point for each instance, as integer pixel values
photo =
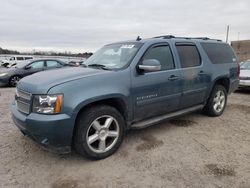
(173, 77)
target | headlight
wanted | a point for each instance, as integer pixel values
(47, 104)
(3, 74)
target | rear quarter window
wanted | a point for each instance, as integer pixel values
(219, 53)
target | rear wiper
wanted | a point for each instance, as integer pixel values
(98, 66)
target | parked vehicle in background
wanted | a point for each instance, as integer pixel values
(124, 85)
(245, 75)
(10, 76)
(13, 60)
(76, 63)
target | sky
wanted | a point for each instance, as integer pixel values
(80, 26)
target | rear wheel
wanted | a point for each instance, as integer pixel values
(14, 80)
(99, 132)
(217, 101)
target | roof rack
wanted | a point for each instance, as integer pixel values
(172, 36)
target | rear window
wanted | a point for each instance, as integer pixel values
(219, 53)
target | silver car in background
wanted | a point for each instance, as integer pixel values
(245, 75)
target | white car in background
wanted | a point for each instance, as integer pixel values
(245, 75)
(10, 61)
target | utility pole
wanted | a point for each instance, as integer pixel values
(227, 34)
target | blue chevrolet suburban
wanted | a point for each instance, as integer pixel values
(124, 85)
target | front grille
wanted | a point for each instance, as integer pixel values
(23, 101)
(23, 107)
(244, 78)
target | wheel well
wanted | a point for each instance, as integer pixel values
(13, 76)
(117, 103)
(224, 82)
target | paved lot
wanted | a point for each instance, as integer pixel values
(191, 151)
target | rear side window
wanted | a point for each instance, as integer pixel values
(163, 54)
(219, 53)
(189, 55)
(26, 58)
(52, 63)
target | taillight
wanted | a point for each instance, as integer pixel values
(238, 70)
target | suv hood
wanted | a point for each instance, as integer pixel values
(41, 82)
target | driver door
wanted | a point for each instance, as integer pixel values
(159, 92)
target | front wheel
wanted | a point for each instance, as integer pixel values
(99, 132)
(217, 101)
(14, 80)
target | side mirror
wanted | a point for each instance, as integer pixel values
(150, 65)
(27, 67)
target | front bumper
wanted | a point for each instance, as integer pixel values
(54, 132)
(4, 81)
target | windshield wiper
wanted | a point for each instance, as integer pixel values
(98, 66)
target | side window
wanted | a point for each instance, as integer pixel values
(37, 65)
(52, 63)
(26, 58)
(19, 58)
(163, 54)
(189, 55)
(219, 52)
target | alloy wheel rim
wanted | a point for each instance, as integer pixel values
(102, 134)
(219, 101)
(14, 80)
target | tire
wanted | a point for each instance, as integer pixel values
(14, 80)
(217, 101)
(99, 132)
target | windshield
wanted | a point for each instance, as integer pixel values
(113, 56)
(245, 65)
(22, 64)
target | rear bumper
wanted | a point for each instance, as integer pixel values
(234, 86)
(244, 83)
(53, 132)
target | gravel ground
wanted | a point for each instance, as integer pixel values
(190, 151)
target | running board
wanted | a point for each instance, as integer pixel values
(148, 122)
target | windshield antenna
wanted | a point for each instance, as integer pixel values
(138, 38)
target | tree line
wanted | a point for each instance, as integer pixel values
(52, 53)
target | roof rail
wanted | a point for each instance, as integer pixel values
(172, 36)
(166, 36)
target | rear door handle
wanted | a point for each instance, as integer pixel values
(173, 77)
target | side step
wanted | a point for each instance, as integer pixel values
(148, 122)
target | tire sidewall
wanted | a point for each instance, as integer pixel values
(13, 77)
(83, 124)
(211, 99)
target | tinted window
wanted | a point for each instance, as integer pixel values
(189, 55)
(26, 58)
(52, 63)
(19, 58)
(219, 52)
(163, 55)
(37, 65)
